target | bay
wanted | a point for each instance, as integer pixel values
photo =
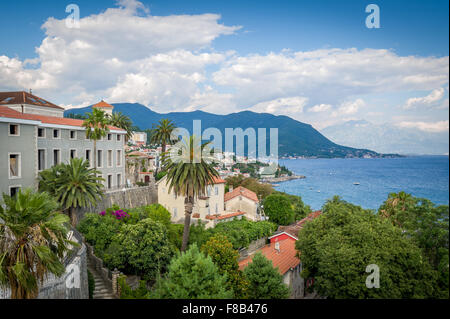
(421, 176)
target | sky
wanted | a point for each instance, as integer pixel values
(315, 61)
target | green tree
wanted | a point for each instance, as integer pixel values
(265, 281)
(300, 209)
(142, 249)
(189, 171)
(192, 275)
(33, 240)
(161, 133)
(96, 125)
(226, 259)
(73, 185)
(427, 225)
(336, 248)
(120, 120)
(279, 210)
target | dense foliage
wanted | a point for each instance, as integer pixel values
(239, 232)
(265, 281)
(192, 275)
(427, 225)
(226, 259)
(33, 242)
(262, 190)
(336, 248)
(279, 209)
(300, 209)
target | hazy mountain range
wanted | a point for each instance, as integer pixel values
(294, 137)
(387, 138)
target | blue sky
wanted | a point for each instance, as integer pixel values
(414, 27)
(315, 61)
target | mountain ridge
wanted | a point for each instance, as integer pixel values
(295, 138)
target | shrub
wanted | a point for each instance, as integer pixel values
(279, 209)
(192, 275)
(91, 284)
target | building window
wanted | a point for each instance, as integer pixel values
(88, 157)
(110, 160)
(109, 181)
(73, 153)
(119, 158)
(217, 208)
(118, 137)
(175, 212)
(13, 190)
(14, 130)
(55, 133)
(41, 160)
(56, 157)
(109, 137)
(73, 135)
(99, 158)
(14, 166)
(216, 190)
(119, 179)
(41, 132)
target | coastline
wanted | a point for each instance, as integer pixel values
(273, 180)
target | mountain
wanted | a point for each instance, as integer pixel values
(294, 138)
(387, 138)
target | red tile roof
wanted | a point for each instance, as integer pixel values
(218, 180)
(102, 104)
(241, 191)
(10, 113)
(23, 97)
(293, 229)
(225, 216)
(283, 260)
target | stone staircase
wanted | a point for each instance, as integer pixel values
(101, 290)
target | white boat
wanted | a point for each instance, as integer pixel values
(355, 183)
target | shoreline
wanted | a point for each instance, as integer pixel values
(273, 180)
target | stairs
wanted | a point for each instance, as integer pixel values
(101, 291)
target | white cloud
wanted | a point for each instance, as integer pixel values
(320, 108)
(429, 100)
(434, 127)
(289, 105)
(349, 107)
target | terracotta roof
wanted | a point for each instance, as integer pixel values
(241, 191)
(23, 97)
(293, 229)
(10, 113)
(102, 104)
(225, 216)
(218, 180)
(283, 260)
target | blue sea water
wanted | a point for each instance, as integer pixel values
(421, 176)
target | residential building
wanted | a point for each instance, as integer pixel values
(244, 200)
(31, 141)
(291, 231)
(139, 138)
(212, 203)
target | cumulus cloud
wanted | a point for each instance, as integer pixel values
(320, 108)
(289, 106)
(349, 107)
(429, 100)
(433, 127)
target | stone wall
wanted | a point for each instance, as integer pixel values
(254, 246)
(124, 198)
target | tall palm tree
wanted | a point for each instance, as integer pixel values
(189, 171)
(120, 120)
(161, 133)
(96, 126)
(33, 241)
(73, 185)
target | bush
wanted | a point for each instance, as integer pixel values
(127, 293)
(141, 249)
(192, 275)
(279, 209)
(91, 285)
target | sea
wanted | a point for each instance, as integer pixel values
(368, 182)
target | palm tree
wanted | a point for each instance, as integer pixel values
(73, 185)
(161, 133)
(122, 121)
(33, 241)
(189, 171)
(96, 126)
